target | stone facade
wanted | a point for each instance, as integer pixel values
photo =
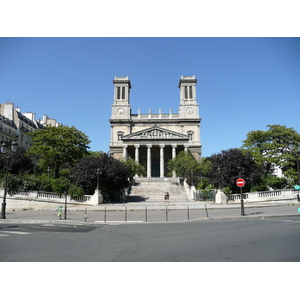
(153, 139)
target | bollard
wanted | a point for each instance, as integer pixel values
(206, 211)
(125, 213)
(105, 213)
(85, 211)
(146, 213)
(166, 212)
(188, 213)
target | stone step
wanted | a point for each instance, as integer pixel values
(153, 189)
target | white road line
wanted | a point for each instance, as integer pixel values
(289, 221)
(14, 232)
(119, 221)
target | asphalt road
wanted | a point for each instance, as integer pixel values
(260, 240)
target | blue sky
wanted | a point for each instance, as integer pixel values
(243, 84)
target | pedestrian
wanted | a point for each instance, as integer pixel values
(167, 196)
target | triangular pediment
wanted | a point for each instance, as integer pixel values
(155, 133)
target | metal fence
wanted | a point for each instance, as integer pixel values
(205, 195)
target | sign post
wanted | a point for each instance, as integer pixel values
(240, 183)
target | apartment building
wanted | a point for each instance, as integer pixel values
(16, 126)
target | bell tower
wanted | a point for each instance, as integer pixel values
(121, 106)
(189, 108)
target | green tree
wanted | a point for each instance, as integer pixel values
(204, 167)
(56, 146)
(271, 146)
(228, 165)
(114, 174)
(185, 166)
(134, 168)
(95, 153)
(18, 166)
(19, 162)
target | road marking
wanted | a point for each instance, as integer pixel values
(8, 233)
(289, 221)
(119, 221)
(15, 232)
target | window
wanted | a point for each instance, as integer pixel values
(120, 135)
(188, 92)
(191, 135)
(123, 92)
(118, 92)
(191, 92)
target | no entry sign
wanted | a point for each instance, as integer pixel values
(240, 182)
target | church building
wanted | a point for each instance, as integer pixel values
(153, 139)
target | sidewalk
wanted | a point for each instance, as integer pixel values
(150, 212)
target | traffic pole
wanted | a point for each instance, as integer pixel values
(242, 203)
(240, 183)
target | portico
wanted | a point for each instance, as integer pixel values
(153, 148)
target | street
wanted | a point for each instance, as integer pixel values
(258, 240)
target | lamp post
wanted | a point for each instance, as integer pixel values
(99, 173)
(7, 157)
(66, 197)
(295, 148)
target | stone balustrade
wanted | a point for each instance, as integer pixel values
(286, 195)
(42, 199)
(155, 116)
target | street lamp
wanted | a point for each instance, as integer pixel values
(99, 173)
(295, 148)
(7, 157)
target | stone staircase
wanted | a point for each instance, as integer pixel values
(153, 189)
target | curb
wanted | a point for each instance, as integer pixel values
(71, 222)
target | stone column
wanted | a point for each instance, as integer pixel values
(162, 160)
(173, 156)
(137, 157)
(125, 152)
(186, 147)
(149, 160)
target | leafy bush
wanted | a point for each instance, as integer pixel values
(276, 183)
(29, 182)
(75, 191)
(60, 185)
(227, 190)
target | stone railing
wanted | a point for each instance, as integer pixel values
(42, 199)
(287, 195)
(155, 116)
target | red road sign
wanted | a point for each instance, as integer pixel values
(240, 182)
